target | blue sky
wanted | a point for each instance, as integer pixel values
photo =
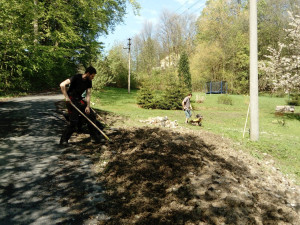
(150, 11)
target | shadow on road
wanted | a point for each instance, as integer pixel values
(41, 183)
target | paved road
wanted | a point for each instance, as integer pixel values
(37, 176)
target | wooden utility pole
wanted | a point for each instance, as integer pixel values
(254, 123)
(129, 39)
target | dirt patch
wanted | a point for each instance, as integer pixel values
(159, 176)
(154, 176)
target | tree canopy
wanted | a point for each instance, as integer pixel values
(44, 41)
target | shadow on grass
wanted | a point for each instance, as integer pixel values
(287, 116)
(292, 116)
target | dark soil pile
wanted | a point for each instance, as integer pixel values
(155, 176)
(159, 176)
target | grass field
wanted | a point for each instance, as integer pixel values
(279, 135)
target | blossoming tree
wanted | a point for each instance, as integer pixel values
(282, 70)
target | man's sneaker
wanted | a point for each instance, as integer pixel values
(63, 142)
(96, 139)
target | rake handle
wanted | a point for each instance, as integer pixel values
(89, 120)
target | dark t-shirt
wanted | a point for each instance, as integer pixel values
(78, 86)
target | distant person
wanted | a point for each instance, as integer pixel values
(78, 85)
(187, 107)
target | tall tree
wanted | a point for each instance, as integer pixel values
(272, 20)
(282, 68)
(223, 37)
(43, 41)
(149, 48)
(118, 59)
(35, 22)
(184, 71)
(176, 33)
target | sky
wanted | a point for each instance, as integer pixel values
(150, 11)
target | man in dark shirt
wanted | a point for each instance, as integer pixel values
(78, 85)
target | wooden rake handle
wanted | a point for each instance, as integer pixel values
(90, 121)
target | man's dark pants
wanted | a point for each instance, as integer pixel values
(74, 119)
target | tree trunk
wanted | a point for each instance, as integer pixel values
(35, 23)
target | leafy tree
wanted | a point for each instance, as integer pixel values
(282, 68)
(184, 71)
(161, 45)
(147, 48)
(118, 59)
(176, 32)
(272, 20)
(105, 76)
(43, 42)
(222, 45)
(223, 40)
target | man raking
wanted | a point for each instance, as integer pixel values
(78, 84)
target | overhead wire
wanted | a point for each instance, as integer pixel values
(198, 8)
(182, 5)
(190, 7)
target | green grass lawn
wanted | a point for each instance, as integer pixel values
(280, 141)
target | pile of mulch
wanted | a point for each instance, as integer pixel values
(162, 176)
(158, 176)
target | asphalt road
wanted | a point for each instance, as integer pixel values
(38, 176)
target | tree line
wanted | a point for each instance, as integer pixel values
(217, 46)
(45, 41)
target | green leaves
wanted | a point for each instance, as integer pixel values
(43, 42)
(169, 99)
(184, 71)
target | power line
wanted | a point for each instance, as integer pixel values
(182, 5)
(190, 7)
(198, 8)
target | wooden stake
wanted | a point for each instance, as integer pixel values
(246, 120)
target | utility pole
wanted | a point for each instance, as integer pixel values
(129, 39)
(254, 123)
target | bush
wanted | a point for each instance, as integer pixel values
(295, 100)
(225, 99)
(145, 98)
(173, 96)
(170, 99)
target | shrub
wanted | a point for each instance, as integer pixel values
(295, 100)
(145, 98)
(173, 96)
(225, 99)
(170, 99)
